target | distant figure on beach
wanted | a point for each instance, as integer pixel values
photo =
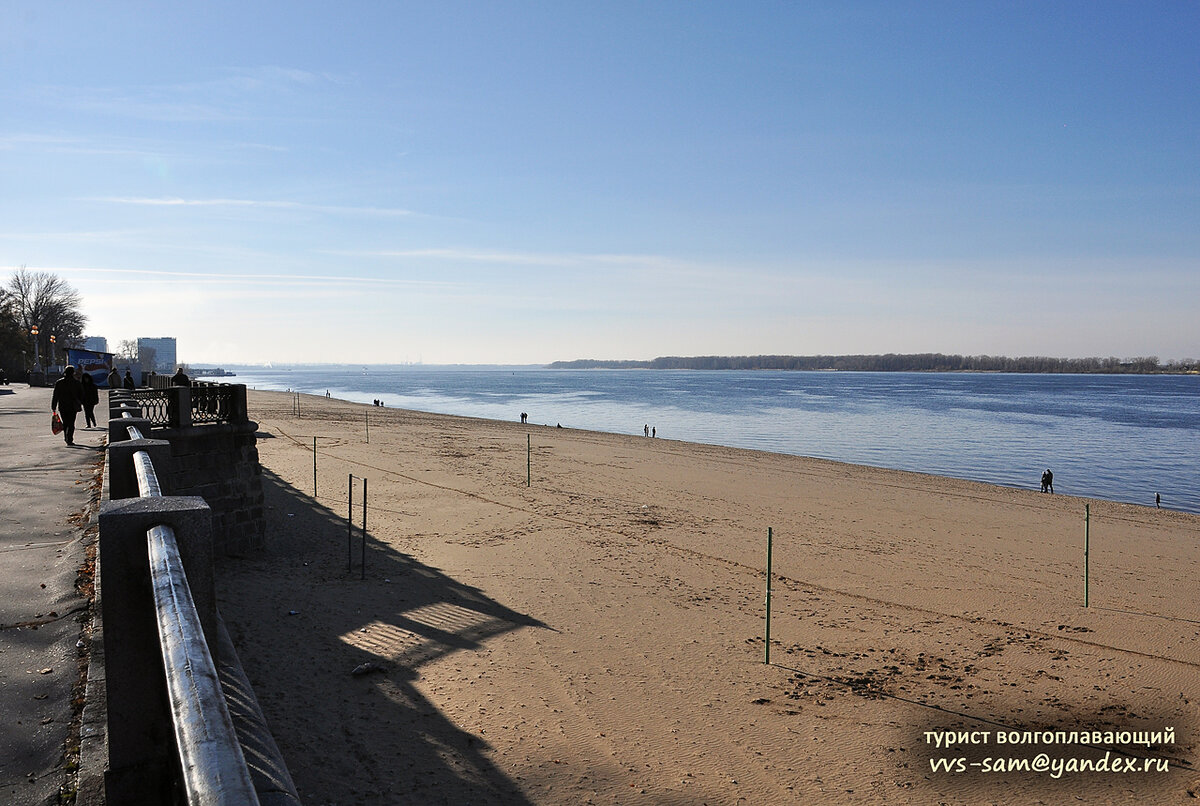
(524, 417)
(327, 394)
(1048, 482)
(91, 397)
(646, 430)
(128, 382)
(114, 379)
(180, 378)
(654, 431)
(1157, 501)
(67, 399)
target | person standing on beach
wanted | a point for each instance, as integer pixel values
(91, 397)
(646, 430)
(1157, 501)
(1049, 481)
(67, 399)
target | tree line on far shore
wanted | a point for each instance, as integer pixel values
(892, 362)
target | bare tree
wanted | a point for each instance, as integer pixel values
(127, 350)
(46, 300)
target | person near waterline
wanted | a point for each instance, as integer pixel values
(1157, 501)
(1048, 482)
(91, 397)
(67, 400)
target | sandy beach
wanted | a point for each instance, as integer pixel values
(597, 637)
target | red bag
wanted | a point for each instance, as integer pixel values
(56, 425)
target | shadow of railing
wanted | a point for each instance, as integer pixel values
(303, 624)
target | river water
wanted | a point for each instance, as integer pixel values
(1118, 437)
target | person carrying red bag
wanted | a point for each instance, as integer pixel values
(67, 400)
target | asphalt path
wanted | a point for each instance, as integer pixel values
(43, 483)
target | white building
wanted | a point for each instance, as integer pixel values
(157, 355)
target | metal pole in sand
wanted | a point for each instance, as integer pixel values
(314, 468)
(528, 460)
(364, 531)
(367, 418)
(767, 658)
(1087, 527)
(350, 523)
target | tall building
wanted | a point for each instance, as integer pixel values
(97, 344)
(157, 355)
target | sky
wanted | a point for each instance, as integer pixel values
(525, 182)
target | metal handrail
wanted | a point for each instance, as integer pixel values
(214, 769)
(148, 486)
(134, 431)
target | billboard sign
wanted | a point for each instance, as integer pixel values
(98, 365)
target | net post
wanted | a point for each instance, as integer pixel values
(767, 642)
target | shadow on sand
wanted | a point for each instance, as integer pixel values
(303, 623)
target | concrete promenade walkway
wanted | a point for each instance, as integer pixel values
(43, 483)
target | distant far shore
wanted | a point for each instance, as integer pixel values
(917, 362)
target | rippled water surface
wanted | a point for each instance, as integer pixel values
(1107, 436)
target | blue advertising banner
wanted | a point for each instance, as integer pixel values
(98, 365)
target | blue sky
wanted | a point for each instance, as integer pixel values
(532, 181)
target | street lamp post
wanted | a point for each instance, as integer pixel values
(37, 361)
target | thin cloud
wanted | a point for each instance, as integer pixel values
(255, 279)
(523, 258)
(235, 96)
(254, 203)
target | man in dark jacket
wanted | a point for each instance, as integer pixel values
(68, 400)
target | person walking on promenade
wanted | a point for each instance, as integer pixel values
(91, 397)
(67, 399)
(180, 378)
(128, 383)
(114, 379)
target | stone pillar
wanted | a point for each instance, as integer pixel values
(122, 477)
(140, 738)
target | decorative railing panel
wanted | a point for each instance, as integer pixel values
(155, 406)
(212, 403)
(198, 404)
